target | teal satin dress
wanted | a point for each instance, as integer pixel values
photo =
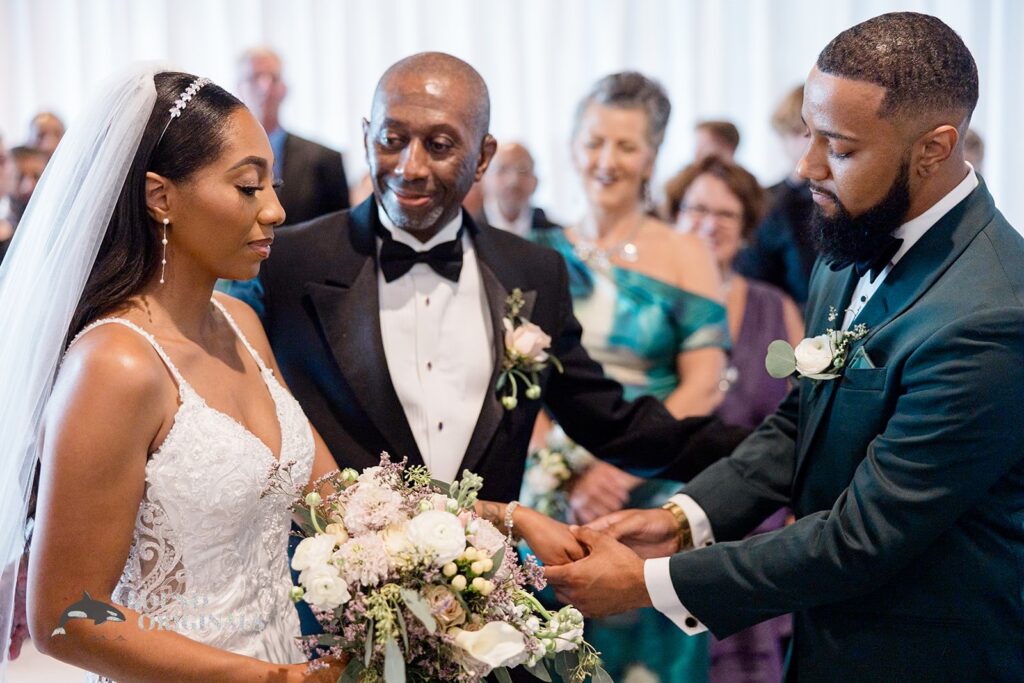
(636, 326)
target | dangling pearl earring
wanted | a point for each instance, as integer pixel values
(163, 261)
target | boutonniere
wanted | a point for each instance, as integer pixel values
(821, 357)
(526, 354)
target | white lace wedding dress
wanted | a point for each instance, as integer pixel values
(208, 557)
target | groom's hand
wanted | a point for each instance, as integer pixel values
(549, 539)
(650, 533)
(609, 580)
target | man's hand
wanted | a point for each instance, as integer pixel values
(601, 490)
(650, 533)
(609, 580)
(550, 540)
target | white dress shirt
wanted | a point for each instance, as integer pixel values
(656, 571)
(438, 343)
(520, 226)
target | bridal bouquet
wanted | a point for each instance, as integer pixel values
(411, 584)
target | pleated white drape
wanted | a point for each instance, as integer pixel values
(717, 58)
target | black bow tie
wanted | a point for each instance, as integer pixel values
(873, 264)
(396, 259)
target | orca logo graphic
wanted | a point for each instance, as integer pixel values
(87, 608)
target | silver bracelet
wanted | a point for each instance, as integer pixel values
(509, 509)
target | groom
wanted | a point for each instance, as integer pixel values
(906, 473)
(387, 320)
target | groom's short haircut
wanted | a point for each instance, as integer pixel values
(921, 62)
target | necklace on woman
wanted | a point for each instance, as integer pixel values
(626, 249)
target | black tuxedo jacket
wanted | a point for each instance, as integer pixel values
(314, 180)
(321, 313)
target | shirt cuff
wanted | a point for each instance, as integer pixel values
(700, 525)
(658, 579)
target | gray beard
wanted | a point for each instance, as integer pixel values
(403, 222)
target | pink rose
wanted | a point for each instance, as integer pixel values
(528, 341)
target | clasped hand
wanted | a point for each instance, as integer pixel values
(599, 568)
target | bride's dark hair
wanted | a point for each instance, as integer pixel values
(130, 252)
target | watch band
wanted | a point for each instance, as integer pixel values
(685, 534)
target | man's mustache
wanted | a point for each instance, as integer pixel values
(821, 190)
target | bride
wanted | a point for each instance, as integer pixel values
(157, 553)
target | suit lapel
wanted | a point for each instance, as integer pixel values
(347, 305)
(492, 413)
(908, 280)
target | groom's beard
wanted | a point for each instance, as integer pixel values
(845, 238)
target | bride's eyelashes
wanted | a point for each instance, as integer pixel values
(251, 190)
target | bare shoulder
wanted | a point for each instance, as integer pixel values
(695, 264)
(113, 359)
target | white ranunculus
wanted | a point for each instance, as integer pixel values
(396, 541)
(497, 644)
(439, 533)
(313, 551)
(813, 355)
(324, 587)
(528, 340)
(337, 530)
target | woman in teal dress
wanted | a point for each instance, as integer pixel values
(646, 297)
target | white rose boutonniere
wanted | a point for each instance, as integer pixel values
(817, 358)
(526, 354)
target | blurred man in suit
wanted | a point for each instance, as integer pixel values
(313, 175)
(508, 186)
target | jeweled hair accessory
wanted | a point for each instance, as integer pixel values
(183, 99)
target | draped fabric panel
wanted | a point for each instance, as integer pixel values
(717, 58)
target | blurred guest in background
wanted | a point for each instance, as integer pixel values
(723, 202)
(974, 150)
(44, 132)
(508, 186)
(29, 164)
(782, 251)
(648, 299)
(719, 138)
(313, 175)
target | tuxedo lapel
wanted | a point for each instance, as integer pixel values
(347, 305)
(491, 412)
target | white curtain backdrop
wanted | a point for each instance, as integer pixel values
(717, 58)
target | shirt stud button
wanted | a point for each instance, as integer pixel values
(691, 622)
(440, 426)
(430, 366)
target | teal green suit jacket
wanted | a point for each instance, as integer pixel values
(906, 561)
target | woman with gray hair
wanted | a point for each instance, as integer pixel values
(648, 299)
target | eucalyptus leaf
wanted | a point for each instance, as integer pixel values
(352, 672)
(781, 359)
(502, 675)
(368, 653)
(502, 380)
(401, 627)
(394, 663)
(496, 560)
(419, 608)
(565, 662)
(305, 521)
(441, 486)
(327, 640)
(539, 670)
(602, 676)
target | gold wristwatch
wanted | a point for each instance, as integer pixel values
(685, 534)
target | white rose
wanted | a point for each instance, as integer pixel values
(528, 340)
(540, 481)
(438, 533)
(313, 551)
(497, 644)
(324, 587)
(813, 355)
